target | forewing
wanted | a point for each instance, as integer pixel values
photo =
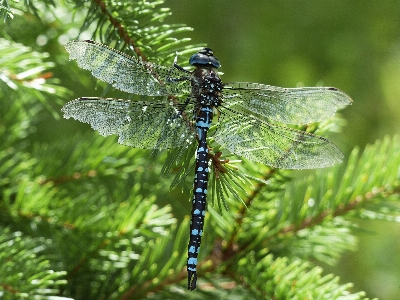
(286, 105)
(139, 124)
(274, 145)
(127, 73)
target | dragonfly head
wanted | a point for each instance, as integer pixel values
(205, 57)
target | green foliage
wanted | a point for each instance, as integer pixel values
(82, 217)
(5, 11)
(8, 9)
(136, 27)
(24, 77)
(36, 280)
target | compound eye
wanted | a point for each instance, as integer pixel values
(204, 57)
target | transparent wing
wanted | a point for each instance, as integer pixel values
(291, 106)
(274, 145)
(139, 124)
(125, 72)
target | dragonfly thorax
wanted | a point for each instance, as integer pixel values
(206, 86)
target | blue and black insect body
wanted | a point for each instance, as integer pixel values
(207, 87)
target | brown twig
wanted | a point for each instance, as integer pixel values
(120, 29)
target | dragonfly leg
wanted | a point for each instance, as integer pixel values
(178, 66)
(176, 79)
(182, 69)
(183, 107)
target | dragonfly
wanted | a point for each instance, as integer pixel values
(182, 105)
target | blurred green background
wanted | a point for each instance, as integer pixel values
(352, 45)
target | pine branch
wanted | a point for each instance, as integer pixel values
(26, 272)
(7, 11)
(308, 221)
(137, 28)
(281, 279)
(26, 77)
(95, 201)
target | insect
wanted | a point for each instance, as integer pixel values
(182, 108)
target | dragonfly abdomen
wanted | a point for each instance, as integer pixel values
(199, 203)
